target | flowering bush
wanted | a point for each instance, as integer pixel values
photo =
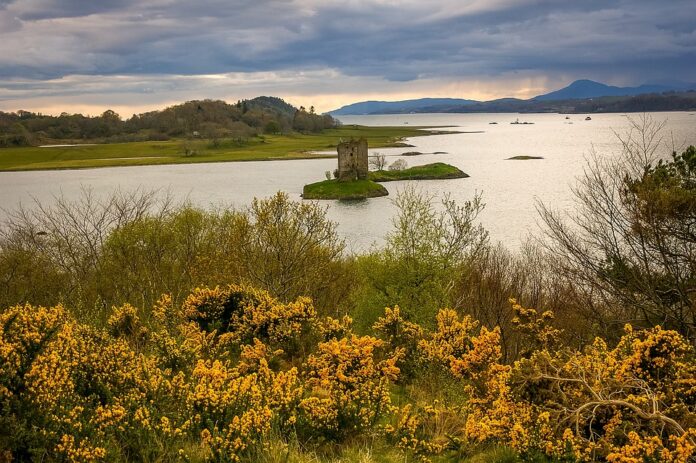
(635, 399)
(67, 388)
(124, 322)
(418, 430)
(401, 334)
(348, 386)
(461, 345)
(632, 403)
(215, 378)
(246, 313)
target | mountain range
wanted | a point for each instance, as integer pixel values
(581, 89)
(572, 98)
(388, 107)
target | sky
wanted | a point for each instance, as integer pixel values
(132, 56)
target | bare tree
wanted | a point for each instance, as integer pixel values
(378, 161)
(630, 247)
(69, 235)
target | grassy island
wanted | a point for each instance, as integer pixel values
(333, 189)
(434, 171)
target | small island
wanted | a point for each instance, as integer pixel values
(352, 176)
(434, 171)
(335, 189)
(353, 179)
(523, 158)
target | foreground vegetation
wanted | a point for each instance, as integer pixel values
(136, 329)
(182, 151)
(234, 374)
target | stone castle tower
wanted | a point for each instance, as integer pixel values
(352, 160)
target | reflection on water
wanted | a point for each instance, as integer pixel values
(510, 188)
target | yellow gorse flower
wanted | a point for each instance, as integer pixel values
(229, 367)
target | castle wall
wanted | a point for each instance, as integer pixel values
(352, 160)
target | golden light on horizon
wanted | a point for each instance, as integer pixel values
(302, 89)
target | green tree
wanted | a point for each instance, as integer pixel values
(291, 249)
(429, 246)
(272, 127)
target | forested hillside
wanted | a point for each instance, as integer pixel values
(208, 119)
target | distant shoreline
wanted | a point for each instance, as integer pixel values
(682, 102)
(563, 113)
(581, 96)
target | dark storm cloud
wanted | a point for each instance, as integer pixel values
(49, 9)
(546, 36)
(634, 41)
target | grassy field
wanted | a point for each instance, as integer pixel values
(333, 189)
(265, 147)
(435, 171)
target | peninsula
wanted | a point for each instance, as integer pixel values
(264, 128)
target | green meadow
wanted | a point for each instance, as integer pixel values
(182, 151)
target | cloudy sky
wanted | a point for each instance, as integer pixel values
(132, 55)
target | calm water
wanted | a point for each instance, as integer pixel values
(510, 189)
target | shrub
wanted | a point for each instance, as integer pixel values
(426, 251)
(248, 314)
(403, 336)
(348, 387)
(212, 390)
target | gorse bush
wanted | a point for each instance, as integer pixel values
(73, 392)
(246, 315)
(348, 386)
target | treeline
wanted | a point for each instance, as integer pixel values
(669, 101)
(210, 119)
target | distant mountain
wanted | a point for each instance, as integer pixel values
(583, 89)
(395, 107)
(576, 97)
